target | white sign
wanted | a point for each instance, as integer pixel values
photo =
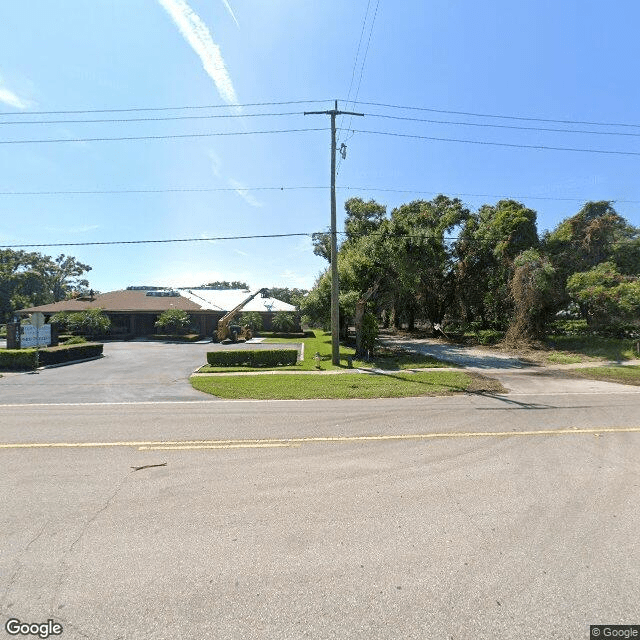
(37, 319)
(31, 336)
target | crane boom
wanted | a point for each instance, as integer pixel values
(225, 321)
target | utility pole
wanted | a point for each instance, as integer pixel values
(335, 288)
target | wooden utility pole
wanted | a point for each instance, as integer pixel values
(335, 288)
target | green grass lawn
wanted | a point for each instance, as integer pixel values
(347, 385)
(629, 374)
(388, 359)
(570, 349)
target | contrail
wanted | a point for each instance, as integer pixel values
(196, 33)
(230, 10)
(10, 98)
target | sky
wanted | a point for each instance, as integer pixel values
(485, 85)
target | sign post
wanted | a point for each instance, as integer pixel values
(37, 320)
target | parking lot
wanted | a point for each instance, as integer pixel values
(138, 371)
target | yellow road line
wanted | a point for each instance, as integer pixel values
(288, 442)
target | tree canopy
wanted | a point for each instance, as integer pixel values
(436, 262)
(28, 279)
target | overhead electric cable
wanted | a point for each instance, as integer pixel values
(499, 116)
(364, 60)
(161, 137)
(160, 119)
(184, 107)
(167, 190)
(296, 188)
(499, 144)
(501, 126)
(112, 242)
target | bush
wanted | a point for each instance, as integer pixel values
(173, 320)
(64, 353)
(253, 319)
(284, 321)
(17, 359)
(489, 336)
(92, 322)
(25, 359)
(250, 358)
(75, 340)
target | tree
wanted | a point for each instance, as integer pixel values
(596, 235)
(420, 248)
(173, 321)
(486, 250)
(290, 296)
(531, 290)
(29, 279)
(222, 285)
(606, 297)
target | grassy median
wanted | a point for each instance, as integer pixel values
(629, 374)
(392, 359)
(346, 385)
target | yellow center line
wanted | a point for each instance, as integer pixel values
(297, 441)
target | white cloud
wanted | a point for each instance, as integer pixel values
(196, 33)
(12, 99)
(230, 10)
(216, 163)
(244, 194)
(242, 253)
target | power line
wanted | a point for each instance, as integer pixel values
(142, 191)
(166, 241)
(184, 107)
(295, 188)
(364, 60)
(499, 144)
(500, 116)
(355, 62)
(502, 126)
(160, 119)
(160, 137)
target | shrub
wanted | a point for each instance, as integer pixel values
(64, 353)
(253, 319)
(92, 322)
(62, 320)
(251, 358)
(284, 321)
(489, 336)
(173, 320)
(17, 359)
(75, 340)
(369, 332)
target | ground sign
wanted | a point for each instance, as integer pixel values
(31, 336)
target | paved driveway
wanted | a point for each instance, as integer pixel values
(128, 372)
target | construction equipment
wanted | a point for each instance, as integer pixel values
(228, 331)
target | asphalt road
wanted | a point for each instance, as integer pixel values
(451, 517)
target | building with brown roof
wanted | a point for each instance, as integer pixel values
(134, 311)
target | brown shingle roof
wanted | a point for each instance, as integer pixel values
(126, 300)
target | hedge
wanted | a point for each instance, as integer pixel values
(17, 359)
(25, 359)
(250, 358)
(64, 353)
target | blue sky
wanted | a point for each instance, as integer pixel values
(571, 60)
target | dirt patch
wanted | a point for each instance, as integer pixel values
(484, 384)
